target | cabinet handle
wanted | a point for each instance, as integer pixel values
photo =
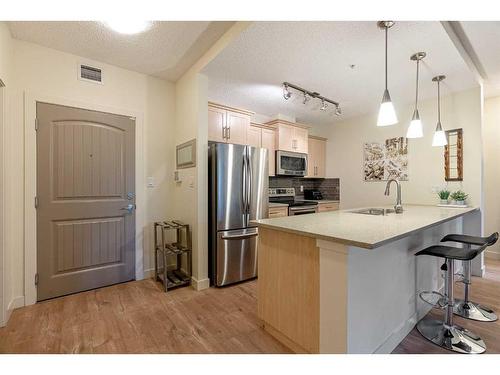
(223, 132)
(228, 132)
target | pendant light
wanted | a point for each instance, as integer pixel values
(387, 114)
(415, 129)
(439, 135)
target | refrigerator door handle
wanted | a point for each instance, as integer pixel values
(244, 187)
(240, 236)
(250, 177)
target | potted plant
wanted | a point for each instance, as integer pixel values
(444, 195)
(459, 197)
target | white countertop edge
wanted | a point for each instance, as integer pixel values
(365, 245)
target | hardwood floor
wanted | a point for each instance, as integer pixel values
(484, 290)
(138, 317)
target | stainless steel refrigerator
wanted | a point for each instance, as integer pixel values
(238, 194)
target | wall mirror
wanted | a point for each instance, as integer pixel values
(186, 154)
(453, 155)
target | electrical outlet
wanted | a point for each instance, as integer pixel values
(150, 182)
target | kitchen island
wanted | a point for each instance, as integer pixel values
(348, 282)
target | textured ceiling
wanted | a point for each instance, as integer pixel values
(318, 55)
(167, 50)
(484, 38)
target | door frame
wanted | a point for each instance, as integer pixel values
(30, 161)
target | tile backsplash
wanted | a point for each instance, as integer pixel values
(329, 187)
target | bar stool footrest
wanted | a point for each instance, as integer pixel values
(433, 298)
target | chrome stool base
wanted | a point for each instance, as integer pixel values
(453, 337)
(473, 311)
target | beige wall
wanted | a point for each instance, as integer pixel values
(426, 168)
(491, 133)
(51, 73)
(6, 56)
(191, 195)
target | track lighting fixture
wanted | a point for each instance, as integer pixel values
(308, 95)
(439, 138)
(415, 130)
(286, 93)
(387, 114)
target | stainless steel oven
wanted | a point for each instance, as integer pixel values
(291, 163)
(302, 210)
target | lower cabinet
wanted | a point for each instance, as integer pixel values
(278, 212)
(328, 206)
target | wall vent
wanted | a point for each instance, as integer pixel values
(90, 73)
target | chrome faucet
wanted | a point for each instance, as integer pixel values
(398, 208)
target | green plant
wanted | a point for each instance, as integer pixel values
(444, 194)
(459, 195)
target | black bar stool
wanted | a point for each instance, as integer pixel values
(445, 333)
(464, 307)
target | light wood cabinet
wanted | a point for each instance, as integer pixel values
(316, 157)
(328, 206)
(227, 124)
(261, 136)
(290, 136)
(278, 212)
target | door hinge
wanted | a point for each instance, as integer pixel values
(36, 278)
(36, 124)
(36, 202)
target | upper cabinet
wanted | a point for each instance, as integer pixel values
(290, 136)
(226, 124)
(316, 158)
(262, 136)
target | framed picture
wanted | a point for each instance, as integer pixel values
(186, 155)
(453, 155)
(383, 161)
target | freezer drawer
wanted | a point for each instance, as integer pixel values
(236, 256)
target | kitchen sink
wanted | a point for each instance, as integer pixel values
(374, 211)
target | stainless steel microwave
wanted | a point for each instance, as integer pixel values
(291, 163)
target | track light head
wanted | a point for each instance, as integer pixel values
(324, 105)
(286, 93)
(306, 98)
(338, 110)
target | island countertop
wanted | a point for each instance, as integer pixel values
(361, 230)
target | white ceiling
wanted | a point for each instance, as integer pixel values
(318, 55)
(484, 38)
(167, 50)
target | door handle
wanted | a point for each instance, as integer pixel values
(240, 236)
(129, 207)
(228, 132)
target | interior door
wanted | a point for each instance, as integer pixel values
(86, 200)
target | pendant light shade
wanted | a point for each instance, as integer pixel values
(415, 130)
(387, 114)
(439, 138)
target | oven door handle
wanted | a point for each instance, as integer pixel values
(303, 208)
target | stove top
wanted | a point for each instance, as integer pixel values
(287, 196)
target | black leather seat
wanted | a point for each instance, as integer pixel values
(472, 240)
(449, 252)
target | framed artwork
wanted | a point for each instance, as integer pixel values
(186, 155)
(453, 156)
(383, 161)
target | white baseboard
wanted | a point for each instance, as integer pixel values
(149, 273)
(14, 304)
(397, 336)
(200, 284)
(492, 255)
